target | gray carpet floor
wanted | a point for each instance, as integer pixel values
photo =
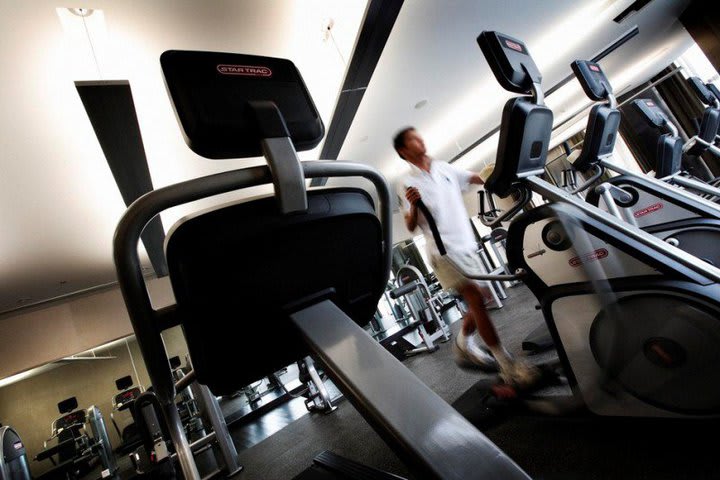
(289, 451)
(548, 448)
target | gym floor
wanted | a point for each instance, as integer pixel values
(283, 442)
(547, 448)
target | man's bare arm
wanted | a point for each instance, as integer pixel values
(476, 179)
(411, 217)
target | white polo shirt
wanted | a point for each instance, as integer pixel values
(441, 191)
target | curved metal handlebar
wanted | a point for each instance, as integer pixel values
(598, 172)
(526, 196)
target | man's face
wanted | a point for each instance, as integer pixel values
(414, 145)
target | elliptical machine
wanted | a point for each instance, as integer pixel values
(676, 216)
(670, 150)
(231, 106)
(634, 319)
(709, 125)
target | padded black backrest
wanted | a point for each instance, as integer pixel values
(669, 155)
(709, 124)
(234, 271)
(525, 131)
(714, 90)
(600, 136)
(701, 91)
(212, 94)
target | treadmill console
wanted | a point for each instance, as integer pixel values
(123, 400)
(66, 421)
(216, 98)
(509, 61)
(650, 112)
(701, 91)
(592, 79)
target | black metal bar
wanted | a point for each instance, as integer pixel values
(379, 20)
(111, 110)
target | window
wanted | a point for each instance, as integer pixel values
(694, 63)
(420, 244)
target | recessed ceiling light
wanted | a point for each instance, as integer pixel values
(420, 104)
(327, 26)
(81, 12)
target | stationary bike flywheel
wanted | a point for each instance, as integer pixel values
(663, 349)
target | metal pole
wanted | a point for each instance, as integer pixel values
(177, 434)
(695, 185)
(214, 415)
(604, 191)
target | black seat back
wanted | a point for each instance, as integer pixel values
(600, 135)
(213, 92)
(703, 93)
(709, 124)
(236, 270)
(710, 121)
(526, 126)
(668, 155)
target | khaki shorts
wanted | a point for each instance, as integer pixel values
(450, 278)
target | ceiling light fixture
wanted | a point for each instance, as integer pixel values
(327, 26)
(81, 12)
(420, 104)
(85, 39)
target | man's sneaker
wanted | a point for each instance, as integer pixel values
(469, 353)
(522, 374)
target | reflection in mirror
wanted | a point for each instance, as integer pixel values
(414, 314)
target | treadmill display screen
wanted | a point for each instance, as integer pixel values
(127, 396)
(70, 419)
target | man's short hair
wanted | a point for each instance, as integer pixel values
(399, 140)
